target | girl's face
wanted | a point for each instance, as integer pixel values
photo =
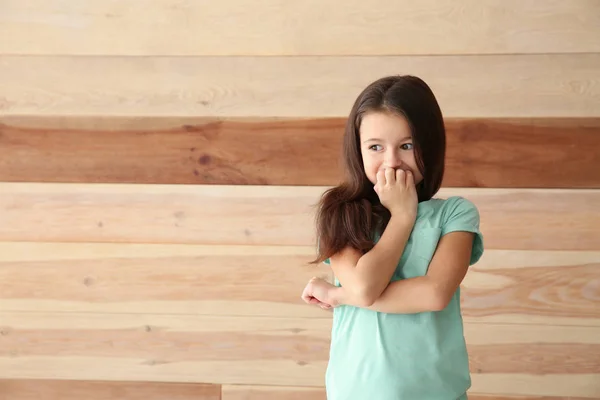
(386, 141)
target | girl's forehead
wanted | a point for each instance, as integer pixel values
(384, 126)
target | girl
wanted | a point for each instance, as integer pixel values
(398, 254)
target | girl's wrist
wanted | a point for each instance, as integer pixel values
(336, 296)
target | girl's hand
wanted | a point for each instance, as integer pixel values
(318, 292)
(397, 192)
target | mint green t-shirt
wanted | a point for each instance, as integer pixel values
(421, 356)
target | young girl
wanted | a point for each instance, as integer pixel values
(398, 254)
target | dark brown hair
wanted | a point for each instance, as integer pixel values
(350, 213)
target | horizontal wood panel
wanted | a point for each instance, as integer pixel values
(24, 389)
(40, 389)
(166, 348)
(157, 213)
(268, 351)
(247, 392)
(561, 288)
(516, 219)
(570, 386)
(74, 390)
(236, 27)
(529, 153)
(168, 279)
(243, 392)
(521, 397)
(565, 85)
(534, 287)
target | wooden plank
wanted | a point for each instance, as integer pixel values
(572, 386)
(158, 213)
(40, 389)
(552, 288)
(516, 219)
(236, 27)
(161, 347)
(563, 85)
(534, 287)
(520, 397)
(228, 280)
(247, 392)
(172, 150)
(215, 151)
(507, 359)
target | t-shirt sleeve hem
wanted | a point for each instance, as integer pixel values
(464, 216)
(477, 249)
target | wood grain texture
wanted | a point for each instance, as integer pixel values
(572, 386)
(172, 150)
(271, 351)
(167, 348)
(516, 219)
(520, 397)
(534, 287)
(243, 392)
(236, 27)
(549, 287)
(510, 153)
(40, 389)
(565, 85)
(247, 392)
(167, 279)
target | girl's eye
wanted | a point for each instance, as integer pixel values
(405, 146)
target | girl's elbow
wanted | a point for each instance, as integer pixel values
(438, 301)
(438, 305)
(365, 296)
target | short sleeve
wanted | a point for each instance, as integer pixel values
(462, 215)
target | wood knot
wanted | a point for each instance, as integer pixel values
(204, 160)
(192, 128)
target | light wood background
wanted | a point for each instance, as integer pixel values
(159, 164)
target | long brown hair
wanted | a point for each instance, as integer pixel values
(350, 213)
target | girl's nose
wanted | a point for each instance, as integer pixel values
(392, 161)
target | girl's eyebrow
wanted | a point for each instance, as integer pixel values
(381, 140)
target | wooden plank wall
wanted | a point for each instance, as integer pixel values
(159, 162)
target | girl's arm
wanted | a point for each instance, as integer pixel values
(431, 292)
(365, 277)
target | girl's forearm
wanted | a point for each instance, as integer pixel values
(407, 296)
(374, 269)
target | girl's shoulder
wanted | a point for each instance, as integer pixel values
(438, 217)
(449, 202)
(441, 212)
